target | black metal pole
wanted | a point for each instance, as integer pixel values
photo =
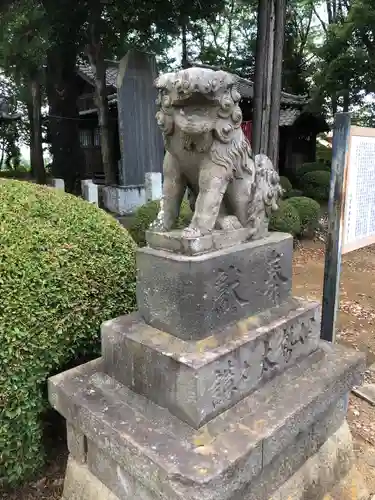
(331, 288)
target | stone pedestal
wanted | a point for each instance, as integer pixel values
(58, 184)
(123, 200)
(90, 191)
(217, 388)
(153, 186)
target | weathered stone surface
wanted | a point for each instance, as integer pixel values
(80, 484)
(77, 443)
(321, 472)
(178, 462)
(192, 296)
(125, 486)
(328, 468)
(351, 487)
(287, 463)
(116, 478)
(198, 380)
(175, 241)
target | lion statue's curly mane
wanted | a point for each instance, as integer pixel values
(208, 153)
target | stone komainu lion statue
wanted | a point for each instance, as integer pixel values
(208, 153)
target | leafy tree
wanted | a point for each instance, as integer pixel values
(299, 47)
(145, 25)
(226, 39)
(347, 60)
(22, 49)
(65, 22)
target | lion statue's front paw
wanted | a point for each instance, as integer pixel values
(191, 232)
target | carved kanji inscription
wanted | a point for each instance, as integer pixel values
(275, 277)
(224, 384)
(279, 348)
(227, 287)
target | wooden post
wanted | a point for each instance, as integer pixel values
(273, 141)
(268, 68)
(331, 288)
(260, 74)
(267, 92)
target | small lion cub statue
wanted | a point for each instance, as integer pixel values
(208, 154)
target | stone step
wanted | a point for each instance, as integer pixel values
(149, 444)
(197, 380)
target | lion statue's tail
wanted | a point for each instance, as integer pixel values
(266, 191)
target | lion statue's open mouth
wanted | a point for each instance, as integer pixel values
(200, 117)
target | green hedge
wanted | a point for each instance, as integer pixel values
(323, 153)
(15, 174)
(312, 167)
(316, 185)
(285, 219)
(293, 193)
(285, 184)
(65, 267)
(308, 211)
(146, 214)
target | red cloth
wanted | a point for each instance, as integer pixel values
(247, 129)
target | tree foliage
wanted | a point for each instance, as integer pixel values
(329, 49)
(23, 42)
(347, 55)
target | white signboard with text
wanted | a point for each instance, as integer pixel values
(359, 190)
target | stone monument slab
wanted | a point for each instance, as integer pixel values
(141, 142)
(192, 296)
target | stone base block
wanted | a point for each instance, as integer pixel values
(323, 476)
(123, 200)
(140, 451)
(352, 486)
(198, 380)
(174, 241)
(324, 471)
(81, 484)
(192, 296)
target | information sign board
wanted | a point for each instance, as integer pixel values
(359, 190)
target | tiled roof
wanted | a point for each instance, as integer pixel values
(86, 72)
(245, 87)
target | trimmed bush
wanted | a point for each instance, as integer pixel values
(65, 267)
(316, 185)
(285, 219)
(146, 214)
(323, 153)
(312, 167)
(308, 211)
(293, 193)
(285, 184)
